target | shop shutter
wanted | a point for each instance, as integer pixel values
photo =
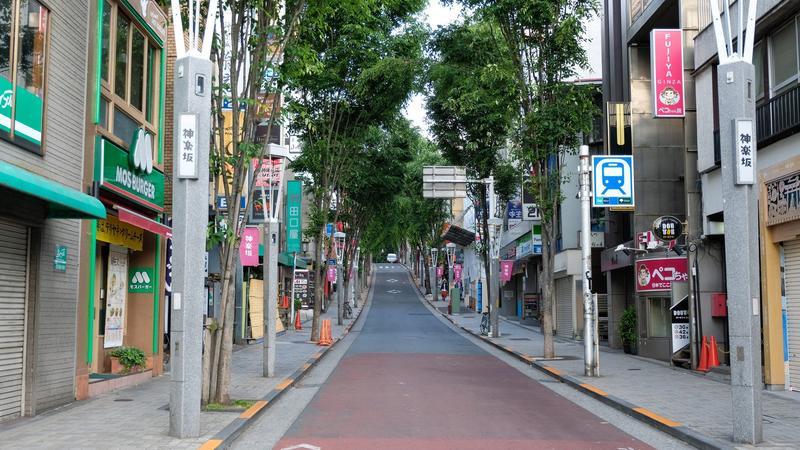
(792, 274)
(564, 300)
(13, 284)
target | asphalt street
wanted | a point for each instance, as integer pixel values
(408, 381)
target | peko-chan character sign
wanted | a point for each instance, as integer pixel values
(666, 64)
(658, 274)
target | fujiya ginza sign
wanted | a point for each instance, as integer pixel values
(131, 175)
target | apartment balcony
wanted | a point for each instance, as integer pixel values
(778, 117)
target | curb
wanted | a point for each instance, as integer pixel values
(225, 437)
(668, 426)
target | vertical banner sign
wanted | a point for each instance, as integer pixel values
(680, 324)
(439, 271)
(530, 211)
(294, 196)
(514, 211)
(506, 266)
(457, 269)
(248, 247)
(745, 144)
(187, 165)
(331, 273)
(666, 64)
(116, 293)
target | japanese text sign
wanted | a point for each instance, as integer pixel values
(457, 269)
(140, 280)
(657, 274)
(331, 273)
(745, 145)
(267, 172)
(187, 151)
(294, 227)
(60, 258)
(113, 231)
(248, 247)
(612, 181)
(666, 63)
(506, 268)
(680, 324)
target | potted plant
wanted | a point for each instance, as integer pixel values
(126, 359)
(627, 330)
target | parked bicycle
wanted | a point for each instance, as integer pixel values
(347, 311)
(485, 324)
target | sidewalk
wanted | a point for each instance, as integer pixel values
(685, 401)
(138, 417)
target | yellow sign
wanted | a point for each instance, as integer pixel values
(113, 231)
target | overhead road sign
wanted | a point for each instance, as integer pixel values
(444, 182)
(612, 181)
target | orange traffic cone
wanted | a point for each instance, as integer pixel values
(703, 363)
(713, 357)
(324, 333)
(297, 324)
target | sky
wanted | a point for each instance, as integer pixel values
(436, 15)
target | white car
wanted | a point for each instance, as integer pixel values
(391, 258)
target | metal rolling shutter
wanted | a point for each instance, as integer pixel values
(792, 274)
(13, 284)
(564, 302)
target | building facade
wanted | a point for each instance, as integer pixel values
(41, 197)
(123, 263)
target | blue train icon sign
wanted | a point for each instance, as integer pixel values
(612, 181)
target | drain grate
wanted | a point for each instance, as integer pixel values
(635, 369)
(123, 399)
(519, 339)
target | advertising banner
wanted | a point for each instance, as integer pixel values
(657, 274)
(680, 324)
(666, 63)
(457, 269)
(294, 226)
(301, 291)
(248, 247)
(331, 273)
(506, 268)
(116, 294)
(439, 271)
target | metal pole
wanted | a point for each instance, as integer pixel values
(740, 208)
(339, 293)
(494, 277)
(189, 199)
(270, 294)
(589, 363)
(291, 300)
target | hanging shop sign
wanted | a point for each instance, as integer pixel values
(141, 280)
(667, 228)
(612, 181)
(113, 231)
(439, 271)
(783, 199)
(116, 293)
(745, 143)
(331, 273)
(680, 324)
(248, 247)
(60, 258)
(666, 64)
(294, 226)
(536, 241)
(657, 274)
(506, 270)
(457, 269)
(530, 211)
(266, 176)
(514, 212)
(130, 176)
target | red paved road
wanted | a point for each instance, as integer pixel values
(409, 382)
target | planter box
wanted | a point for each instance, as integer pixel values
(117, 367)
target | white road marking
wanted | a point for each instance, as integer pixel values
(305, 446)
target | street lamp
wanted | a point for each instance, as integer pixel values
(338, 245)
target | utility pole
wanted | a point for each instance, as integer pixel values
(270, 267)
(493, 293)
(191, 121)
(590, 364)
(735, 86)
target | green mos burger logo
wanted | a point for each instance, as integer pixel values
(140, 158)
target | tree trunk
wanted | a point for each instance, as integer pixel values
(319, 268)
(548, 288)
(224, 376)
(485, 244)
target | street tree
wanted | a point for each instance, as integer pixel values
(365, 59)
(473, 105)
(545, 41)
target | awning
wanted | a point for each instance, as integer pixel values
(63, 202)
(458, 235)
(145, 223)
(285, 258)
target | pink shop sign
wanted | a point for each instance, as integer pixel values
(248, 247)
(666, 67)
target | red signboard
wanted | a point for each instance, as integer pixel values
(331, 273)
(267, 172)
(439, 271)
(666, 64)
(457, 272)
(248, 247)
(505, 270)
(657, 274)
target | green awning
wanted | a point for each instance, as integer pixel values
(285, 258)
(63, 202)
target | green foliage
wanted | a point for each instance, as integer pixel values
(627, 326)
(129, 357)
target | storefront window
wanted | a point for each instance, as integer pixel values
(133, 68)
(658, 322)
(758, 62)
(23, 41)
(106, 44)
(784, 56)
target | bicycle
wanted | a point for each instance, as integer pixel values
(485, 324)
(347, 313)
